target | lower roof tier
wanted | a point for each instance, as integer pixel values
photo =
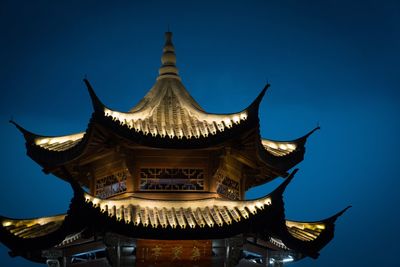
(169, 220)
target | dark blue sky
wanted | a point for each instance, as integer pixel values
(335, 63)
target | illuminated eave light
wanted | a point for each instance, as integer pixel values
(211, 122)
(259, 205)
(243, 212)
(7, 223)
(272, 145)
(228, 123)
(220, 126)
(252, 209)
(291, 146)
(173, 214)
(282, 146)
(58, 139)
(288, 259)
(268, 201)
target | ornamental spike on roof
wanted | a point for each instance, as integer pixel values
(168, 60)
(168, 110)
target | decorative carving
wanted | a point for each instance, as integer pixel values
(171, 179)
(111, 184)
(227, 187)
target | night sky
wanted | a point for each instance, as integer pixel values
(334, 63)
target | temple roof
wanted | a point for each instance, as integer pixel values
(306, 231)
(32, 228)
(169, 111)
(200, 213)
(163, 219)
(59, 143)
(51, 151)
(26, 237)
(285, 148)
(168, 117)
(67, 142)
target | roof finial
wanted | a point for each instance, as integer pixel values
(168, 59)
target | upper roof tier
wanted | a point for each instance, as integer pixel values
(167, 117)
(169, 111)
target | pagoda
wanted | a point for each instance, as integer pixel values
(163, 184)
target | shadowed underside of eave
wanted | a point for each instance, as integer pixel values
(53, 151)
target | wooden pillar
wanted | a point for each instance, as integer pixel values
(53, 257)
(234, 247)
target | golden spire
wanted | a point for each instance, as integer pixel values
(168, 68)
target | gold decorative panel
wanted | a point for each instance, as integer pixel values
(227, 187)
(110, 185)
(173, 252)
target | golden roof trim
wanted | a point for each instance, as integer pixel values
(279, 148)
(305, 231)
(32, 228)
(59, 143)
(168, 110)
(182, 213)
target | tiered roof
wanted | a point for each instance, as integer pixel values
(168, 117)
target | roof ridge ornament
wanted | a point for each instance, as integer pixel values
(168, 68)
(304, 138)
(96, 102)
(281, 188)
(337, 215)
(256, 102)
(29, 136)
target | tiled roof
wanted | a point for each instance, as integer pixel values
(168, 219)
(279, 148)
(169, 111)
(59, 143)
(33, 228)
(211, 212)
(305, 231)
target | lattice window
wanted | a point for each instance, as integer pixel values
(171, 179)
(111, 184)
(227, 187)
